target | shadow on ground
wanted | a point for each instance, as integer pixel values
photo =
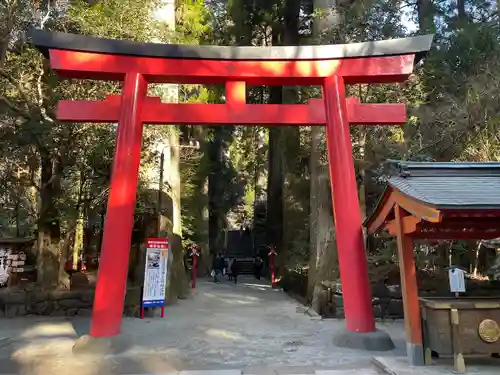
(223, 326)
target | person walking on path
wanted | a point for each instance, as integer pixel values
(258, 264)
(235, 270)
(217, 267)
(229, 269)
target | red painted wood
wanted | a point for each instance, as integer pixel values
(366, 113)
(348, 223)
(89, 65)
(272, 261)
(155, 112)
(193, 277)
(409, 285)
(131, 112)
(236, 95)
(113, 267)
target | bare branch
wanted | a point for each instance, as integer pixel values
(45, 18)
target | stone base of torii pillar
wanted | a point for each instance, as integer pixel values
(373, 341)
(87, 344)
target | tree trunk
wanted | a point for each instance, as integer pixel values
(314, 164)
(275, 181)
(425, 11)
(322, 229)
(215, 150)
(49, 235)
(323, 262)
(78, 242)
(178, 280)
(325, 251)
(290, 136)
(462, 14)
(275, 175)
(18, 218)
(204, 261)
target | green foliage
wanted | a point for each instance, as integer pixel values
(452, 104)
(76, 158)
(192, 25)
(116, 19)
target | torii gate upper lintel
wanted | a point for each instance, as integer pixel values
(137, 64)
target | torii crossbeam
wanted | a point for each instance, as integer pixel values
(156, 112)
(137, 64)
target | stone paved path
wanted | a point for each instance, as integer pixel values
(399, 366)
(248, 327)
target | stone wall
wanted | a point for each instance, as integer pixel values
(59, 303)
(387, 300)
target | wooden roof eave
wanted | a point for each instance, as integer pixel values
(418, 211)
(376, 221)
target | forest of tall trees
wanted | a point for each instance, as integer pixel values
(54, 177)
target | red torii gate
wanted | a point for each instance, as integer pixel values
(137, 64)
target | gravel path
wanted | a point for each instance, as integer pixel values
(223, 326)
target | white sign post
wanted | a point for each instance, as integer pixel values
(456, 276)
(155, 274)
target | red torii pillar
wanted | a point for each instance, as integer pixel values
(71, 56)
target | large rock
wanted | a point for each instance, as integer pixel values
(2, 301)
(132, 304)
(380, 290)
(395, 308)
(338, 300)
(73, 304)
(57, 295)
(384, 306)
(37, 296)
(377, 311)
(85, 312)
(71, 312)
(17, 298)
(21, 310)
(79, 280)
(14, 303)
(60, 302)
(11, 311)
(58, 313)
(133, 296)
(87, 296)
(395, 291)
(42, 308)
(339, 312)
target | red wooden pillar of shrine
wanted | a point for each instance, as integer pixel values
(113, 265)
(349, 231)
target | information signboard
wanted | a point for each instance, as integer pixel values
(457, 280)
(155, 273)
(12, 265)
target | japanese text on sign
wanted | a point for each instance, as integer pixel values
(155, 273)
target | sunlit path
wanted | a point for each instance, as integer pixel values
(223, 326)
